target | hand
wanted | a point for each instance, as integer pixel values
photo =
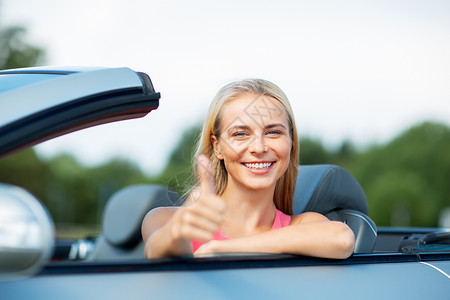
(202, 219)
(210, 247)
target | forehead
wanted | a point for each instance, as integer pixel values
(253, 110)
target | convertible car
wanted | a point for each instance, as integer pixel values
(38, 104)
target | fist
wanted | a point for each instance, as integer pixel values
(200, 220)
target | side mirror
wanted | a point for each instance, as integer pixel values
(26, 233)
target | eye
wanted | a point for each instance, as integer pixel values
(239, 134)
(274, 132)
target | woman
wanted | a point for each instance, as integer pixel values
(247, 162)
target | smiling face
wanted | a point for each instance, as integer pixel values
(254, 141)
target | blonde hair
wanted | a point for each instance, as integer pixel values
(284, 189)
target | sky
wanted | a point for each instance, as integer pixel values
(362, 71)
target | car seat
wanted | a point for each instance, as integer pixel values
(334, 192)
(122, 219)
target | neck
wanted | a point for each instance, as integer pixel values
(248, 210)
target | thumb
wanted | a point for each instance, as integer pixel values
(205, 171)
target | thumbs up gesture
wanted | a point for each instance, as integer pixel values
(200, 220)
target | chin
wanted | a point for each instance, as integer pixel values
(260, 186)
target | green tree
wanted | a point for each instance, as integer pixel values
(411, 172)
(345, 154)
(313, 152)
(77, 194)
(107, 179)
(68, 188)
(25, 169)
(178, 172)
(15, 52)
(402, 198)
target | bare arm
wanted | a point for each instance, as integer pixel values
(309, 234)
(168, 231)
(159, 242)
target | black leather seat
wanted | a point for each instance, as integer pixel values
(122, 219)
(334, 192)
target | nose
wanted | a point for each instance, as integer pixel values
(258, 145)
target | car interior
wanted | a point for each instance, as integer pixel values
(327, 189)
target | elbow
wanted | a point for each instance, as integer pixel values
(345, 242)
(147, 249)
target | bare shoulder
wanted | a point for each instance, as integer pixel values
(156, 218)
(163, 211)
(308, 217)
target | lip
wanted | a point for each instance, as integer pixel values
(259, 171)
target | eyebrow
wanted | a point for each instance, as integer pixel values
(275, 125)
(245, 127)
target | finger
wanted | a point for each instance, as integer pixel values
(197, 219)
(198, 234)
(203, 249)
(205, 171)
(187, 224)
(212, 208)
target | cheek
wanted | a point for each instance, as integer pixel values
(231, 151)
(285, 155)
(284, 148)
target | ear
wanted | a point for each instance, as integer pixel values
(215, 144)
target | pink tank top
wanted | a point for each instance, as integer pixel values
(281, 220)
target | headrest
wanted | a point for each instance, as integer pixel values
(127, 208)
(324, 188)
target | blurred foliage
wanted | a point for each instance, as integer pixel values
(15, 52)
(407, 181)
(178, 172)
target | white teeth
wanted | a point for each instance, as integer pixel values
(258, 165)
